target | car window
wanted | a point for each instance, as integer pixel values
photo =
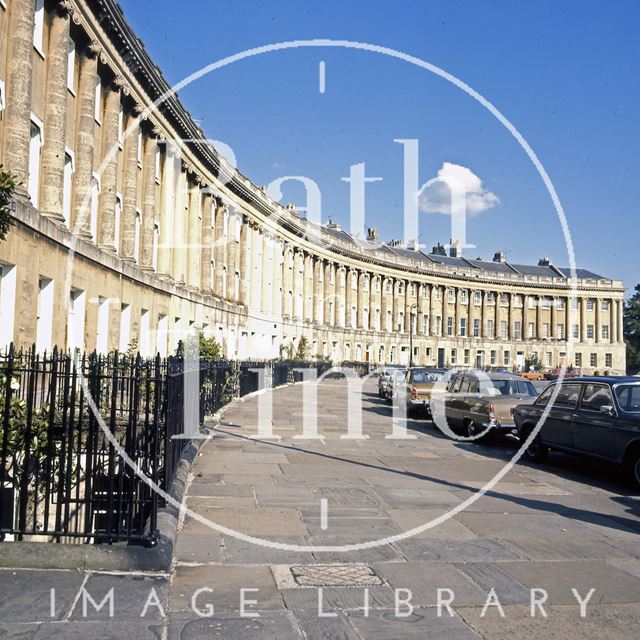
(567, 396)
(543, 400)
(455, 385)
(628, 397)
(421, 377)
(464, 385)
(523, 388)
(512, 388)
(596, 396)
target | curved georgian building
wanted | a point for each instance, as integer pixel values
(161, 246)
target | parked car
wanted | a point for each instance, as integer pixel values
(598, 417)
(417, 389)
(554, 374)
(397, 377)
(532, 375)
(475, 403)
(385, 379)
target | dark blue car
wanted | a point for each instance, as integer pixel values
(597, 417)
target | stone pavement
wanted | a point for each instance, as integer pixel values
(566, 525)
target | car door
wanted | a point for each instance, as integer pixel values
(556, 430)
(594, 431)
(451, 400)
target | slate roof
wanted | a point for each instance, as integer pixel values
(330, 233)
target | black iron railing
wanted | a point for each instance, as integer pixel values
(84, 439)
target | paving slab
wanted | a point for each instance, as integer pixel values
(130, 594)
(423, 579)
(270, 625)
(223, 585)
(611, 584)
(25, 595)
(422, 624)
(610, 622)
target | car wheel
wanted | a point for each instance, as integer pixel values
(536, 451)
(632, 468)
(472, 429)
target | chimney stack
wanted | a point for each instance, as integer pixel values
(499, 257)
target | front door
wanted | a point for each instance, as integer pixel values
(441, 359)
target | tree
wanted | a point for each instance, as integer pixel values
(208, 348)
(303, 349)
(8, 185)
(533, 362)
(632, 330)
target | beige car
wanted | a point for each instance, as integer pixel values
(417, 389)
(477, 402)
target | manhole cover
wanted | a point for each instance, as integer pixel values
(335, 575)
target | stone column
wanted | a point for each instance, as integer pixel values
(433, 312)
(539, 318)
(220, 245)
(108, 179)
(512, 317)
(276, 277)
(583, 320)
(168, 186)
(307, 315)
(553, 320)
(256, 261)
(318, 290)
(232, 252)
(614, 321)
(597, 330)
(458, 313)
(55, 117)
(19, 30)
(620, 321)
(329, 289)
(206, 284)
(349, 297)
(179, 227)
(194, 230)
(267, 274)
(364, 298)
(245, 262)
(340, 297)
(149, 187)
(129, 193)
(85, 131)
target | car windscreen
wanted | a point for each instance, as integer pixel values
(628, 396)
(423, 377)
(513, 388)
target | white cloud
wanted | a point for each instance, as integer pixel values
(436, 198)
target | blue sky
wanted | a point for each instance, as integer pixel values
(565, 73)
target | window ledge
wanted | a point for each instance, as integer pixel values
(39, 51)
